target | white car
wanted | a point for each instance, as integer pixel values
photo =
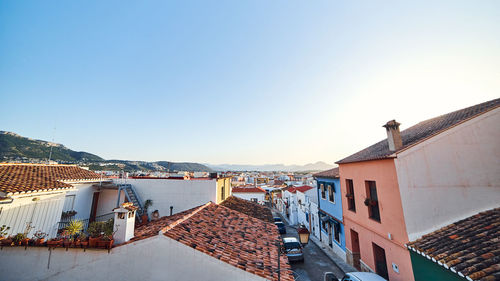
(355, 276)
(293, 249)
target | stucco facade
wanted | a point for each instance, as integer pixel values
(155, 258)
(456, 173)
(180, 194)
(388, 234)
(330, 212)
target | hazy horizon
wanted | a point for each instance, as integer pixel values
(246, 82)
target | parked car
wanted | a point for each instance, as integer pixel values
(354, 276)
(281, 227)
(277, 219)
(293, 249)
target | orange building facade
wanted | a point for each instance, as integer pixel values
(374, 222)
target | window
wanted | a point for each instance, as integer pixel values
(223, 193)
(371, 200)
(351, 204)
(253, 199)
(69, 203)
(336, 232)
(322, 187)
(331, 196)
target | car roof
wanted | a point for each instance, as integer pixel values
(290, 239)
(367, 276)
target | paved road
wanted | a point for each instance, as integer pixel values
(315, 264)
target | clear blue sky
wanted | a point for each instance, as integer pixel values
(238, 82)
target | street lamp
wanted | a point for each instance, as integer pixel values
(303, 235)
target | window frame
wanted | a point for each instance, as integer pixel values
(322, 187)
(351, 201)
(331, 195)
(372, 196)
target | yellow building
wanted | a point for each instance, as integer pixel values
(223, 188)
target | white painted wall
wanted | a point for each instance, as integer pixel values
(156, 258)
(249, 195)
(43, 213)
(107, 201)
(453, 175)
(291, 198)
(181, 194)
(83, 199)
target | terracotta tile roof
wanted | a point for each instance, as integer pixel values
(249, 208)
(152, 228)
(332, 173)
(303, 188)
(230, 236)
(248, 189)
(422, 131)
(294, 189)
(16, 178)
(470, 247)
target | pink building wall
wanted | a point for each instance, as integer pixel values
(392, 222)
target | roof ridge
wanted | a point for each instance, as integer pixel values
(184, 218)
(37, 164)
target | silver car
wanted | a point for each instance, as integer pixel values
(293, 249)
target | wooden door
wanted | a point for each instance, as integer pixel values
(93, 210)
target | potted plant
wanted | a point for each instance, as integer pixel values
(73, 230)
(370, 202)
(3, 231)
(39, 237)
(54, 242)
(19, 238)
(68, 214)
(106, 240)
(84, 242)
(94, 230)
(148, 203)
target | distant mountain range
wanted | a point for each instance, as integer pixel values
(313, 167)
(14, 147)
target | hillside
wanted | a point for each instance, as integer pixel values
(312, 167)
(16, 148)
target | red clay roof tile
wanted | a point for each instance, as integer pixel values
(470, 247)
(16, 178)
(225, 234)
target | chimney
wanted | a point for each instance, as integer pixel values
(393, 135)
(124, 222)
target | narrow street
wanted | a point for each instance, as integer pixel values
(315, 264)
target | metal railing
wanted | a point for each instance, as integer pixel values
(62, 224)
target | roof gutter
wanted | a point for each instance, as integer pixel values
(6, 200)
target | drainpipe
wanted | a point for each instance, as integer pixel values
(319, 207)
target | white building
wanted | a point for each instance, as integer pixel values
(166, 249)
(37, 194)
(307, 213)
(254, 193)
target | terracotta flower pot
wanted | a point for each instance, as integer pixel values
(25, 241)
(85, 244)
(54, 243)
(39, 242)
(6, 242)
(93, 242)
(105, 243)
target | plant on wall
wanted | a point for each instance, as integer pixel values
(3, 231)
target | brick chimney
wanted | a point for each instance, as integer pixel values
(124, 222)
(393, 135)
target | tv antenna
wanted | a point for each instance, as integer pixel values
(52, 146)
